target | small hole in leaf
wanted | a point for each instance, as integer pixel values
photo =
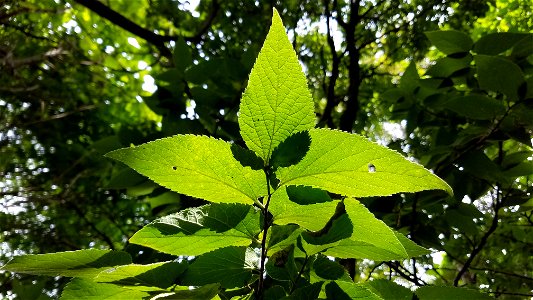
(371, 168)
(174, 168)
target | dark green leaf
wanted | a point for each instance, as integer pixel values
(388, 290)
(496, 43)
(447, 292)
(450, 41)
(499, 75)
(477, 107)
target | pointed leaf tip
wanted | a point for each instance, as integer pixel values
(277, 102)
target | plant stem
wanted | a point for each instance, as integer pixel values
(266, 226)
(299, 274)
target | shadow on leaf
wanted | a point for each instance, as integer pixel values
(291, 150)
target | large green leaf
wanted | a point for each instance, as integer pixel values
(197, 166)
(496, 43)
(450, 41)
(208, 291)
(83, 289)
(342, 290)
(288, 207)
(388, 290)
(447, 66)
(499, 75)
(449, 292)
(351, 165)
(371, 238)
(477, 107)
(411, 247)
(82, 263)
(231, 267)
(277, 101)
(162, 274)
(195, 231)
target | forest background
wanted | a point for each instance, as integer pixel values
(80, 78)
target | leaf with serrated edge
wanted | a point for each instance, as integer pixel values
(310, 216)
(371, 238)
(197, 166)
(277, 101)
(162, 274)
(79, 288)
(81, 263)
(340, 163)
(195, 231)
(231, 267)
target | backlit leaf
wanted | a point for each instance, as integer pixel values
(82, 263)
(230, 266)
(312, 215)
(161, 274)
(277, 101)
(197, 166)
(84, 289)
(195, 231)
(449, 292)
(339, 163)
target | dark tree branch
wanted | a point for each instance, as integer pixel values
(330, 89)
(482, 242)
(354, 69)
(116, 18)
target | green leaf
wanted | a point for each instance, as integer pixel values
(162, 274)
(287, 207)
(342, 290)
(327, 269)
(477, 107)
(496, 43)
(195, 231)
(281, 237)
(450, 41)
(448, 292)
(164, 199)
(499, 75)
(79, 288)
(82, 263)
(306, 292)
(340, 229)
(277, 101)
(371, 238)
(231, 267)
(281, 265)
(340, 163)
(410, 80)
(411, 247)
(447, 66)
(197, 166)
(208, 291)
(388, 290)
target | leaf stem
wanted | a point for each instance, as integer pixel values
(266, 226)
(299, 274)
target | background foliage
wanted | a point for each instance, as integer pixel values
(78, 81)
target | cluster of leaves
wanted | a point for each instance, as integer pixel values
(268, 201)
(475, 106)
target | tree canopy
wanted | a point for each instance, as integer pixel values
(448, 84)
